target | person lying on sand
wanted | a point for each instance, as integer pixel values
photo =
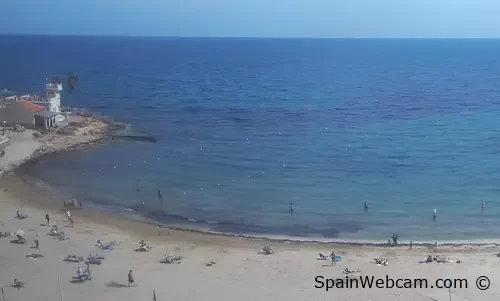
(143, 247)
(20, 215)
(19, 240)
(17, 284)
(34, 255)
(381, 261)
(73, 258)
(4, 234)
(55, 232)
(350, 271)
(108, 246)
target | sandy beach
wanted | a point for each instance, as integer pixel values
(237, 271)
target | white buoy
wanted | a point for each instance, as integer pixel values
(184, 193)
(114, 167)
(201, 148)
(284, 165)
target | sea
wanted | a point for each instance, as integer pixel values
(246, 127)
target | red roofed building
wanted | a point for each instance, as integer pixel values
(27, 114)
(31, 106)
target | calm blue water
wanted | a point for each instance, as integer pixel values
(246, 126)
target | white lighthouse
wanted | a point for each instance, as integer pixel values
(52, 100)
(53, 96)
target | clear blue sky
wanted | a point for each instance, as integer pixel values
(254, 18)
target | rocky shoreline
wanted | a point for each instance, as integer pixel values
(77, 132)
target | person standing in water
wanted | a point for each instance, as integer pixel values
(160, 196)
(292, 208)
(434, 214)
(366, 205)
(483, 205)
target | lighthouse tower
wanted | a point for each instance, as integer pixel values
(53, 96)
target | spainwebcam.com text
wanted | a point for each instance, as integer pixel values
(368, 282)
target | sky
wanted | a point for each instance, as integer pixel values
(255, 18)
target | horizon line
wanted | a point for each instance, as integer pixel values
(243, 37)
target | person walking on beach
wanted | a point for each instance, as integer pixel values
(333, 256)
(37, 243)
(87, 271)
(47, 218)
(434, 215)
(70, 219)
(130, 278)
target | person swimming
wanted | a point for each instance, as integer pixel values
(434, 214)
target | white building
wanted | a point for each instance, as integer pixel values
(52, 100)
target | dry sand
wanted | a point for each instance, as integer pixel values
(240, 272)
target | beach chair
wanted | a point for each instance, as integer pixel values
(91, 260)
